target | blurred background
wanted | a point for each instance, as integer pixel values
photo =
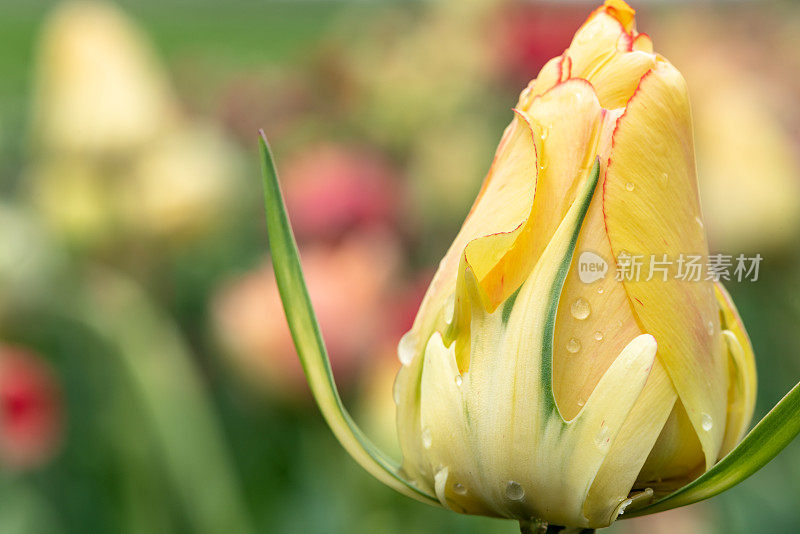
(147, 380)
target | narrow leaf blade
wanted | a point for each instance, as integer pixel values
(308, 340)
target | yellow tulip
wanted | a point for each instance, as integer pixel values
(528, 393)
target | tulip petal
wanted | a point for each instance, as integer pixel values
(445, 433)
(676, 455)
(579, 358)
(743, 382)
(308, 341)
(631, 447)
(619, 76)
(769, 437)
(643, 43)
(652, 207)
(600, 425)
(548, 77)
(738, 418)
(566, 153)
(502, 205)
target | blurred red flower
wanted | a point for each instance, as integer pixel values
(30, 410)
(333, 189)
(349, 284)
(527, 35)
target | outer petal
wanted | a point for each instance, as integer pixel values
(643, 43)
(547, 78)
(676, 456)
(618, 77)
(743, 382)
(630, 450)
(652, 207)
(577, 367)
(502, 204)
(567, 146)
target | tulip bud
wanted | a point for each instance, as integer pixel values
(530, 392)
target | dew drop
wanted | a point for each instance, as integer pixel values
(581, 402)
(405, 349)
(600, 291)
(710, 328)
(580, 309)
(426, 438)
(598, 336)
(459, 488)
(573, 345)
(664, 177)
(699, 221)
(458, 380)
(706, 422)
(543, 134)
(514, 491)
(630, 186)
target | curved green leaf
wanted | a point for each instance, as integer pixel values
(769, 437)
(309, 344)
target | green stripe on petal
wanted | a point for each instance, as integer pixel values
(309, 344)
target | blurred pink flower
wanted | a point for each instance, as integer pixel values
(350, 286)
(30, 410)
(331, 189)
(528, 35)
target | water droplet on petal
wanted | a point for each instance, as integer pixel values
(710, 328)
(630, 186)
(458, 380)
(426, 438)
(600, 291)
(573, 345)
(514, 491)
(699, 221)
(580, 309)
(598, 336)
(664, 177)
(581, 402)
(459, 488)
(706, 422)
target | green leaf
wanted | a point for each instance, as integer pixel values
(308, 340)
(190, 441)
(769, 437)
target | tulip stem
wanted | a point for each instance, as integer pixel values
(537, 526)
